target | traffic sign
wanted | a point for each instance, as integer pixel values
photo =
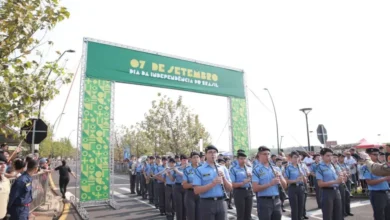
(322, 134)
(39, 133)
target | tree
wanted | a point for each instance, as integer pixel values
(172, 127)
(59, 148)
(24, 78)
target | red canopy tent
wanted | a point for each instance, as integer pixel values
(364, 144)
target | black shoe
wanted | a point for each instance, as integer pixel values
(283, 210)
(305, 217)
(132, 193)
(349, 214)
(230, 207)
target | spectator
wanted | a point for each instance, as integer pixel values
(3, 148)
(64, 177)
(18, 168)
(43, 164)
(21, 193)
(4, 187)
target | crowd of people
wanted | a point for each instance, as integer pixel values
(205, 185)
(16, 198)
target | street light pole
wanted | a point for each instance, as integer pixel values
(276, 120)
(47, 78)
(306, 111)
(281, 139)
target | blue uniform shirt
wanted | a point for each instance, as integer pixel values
(138, 169)
(292, 173)
(234, 163)
(326, 173)
(264, 175)
(369, 176)
(159, 168)
(179, 178)
(255, 163)
(238, 174)
(130, 164)
(189, 174)
(314, 167)
(148, 168)
(167, 179)
(205, 174)
(21, 191)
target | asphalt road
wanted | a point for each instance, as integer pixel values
(132, 207)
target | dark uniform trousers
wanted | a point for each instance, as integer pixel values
(191, 202)
(178, 197)
(269, 208)
(345, 199)
(144, 187)
(151, 190)
(243, 200)
(213, 209)
(380, 201)
(318, 193)
(331, 204)
(161, 197)
(296, 194)
(138, 179)
(169, 203)
(132, 182)
(155, 193)
(19, 212)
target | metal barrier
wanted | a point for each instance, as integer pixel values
(39, 189)
(121, 167)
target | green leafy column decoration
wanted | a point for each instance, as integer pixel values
(239, 124)
(95, 144)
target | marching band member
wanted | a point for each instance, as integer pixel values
(379, 189)
(161, 187)
(326, 176)
(191, 200)
(313, 167)
(149, 180)
(241, 181)
(344, 189)
(296, 189)
(265, 179)
(169, 183)
(178, 190)
(212, 187)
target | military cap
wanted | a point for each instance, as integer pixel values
(221, 160)
(183, 157)
(341, 155)
(240, 151)
(241, 155)
(263, 148)
(201, 154)
(158, 157)
(211, 147)
(381, 153)
(226, 158)
(315, 155)
(194, 154)
(163, 158)
(325, 150)
(372, 150)
(171, 160)
(177, 157)
(152, 157)
(278, 159)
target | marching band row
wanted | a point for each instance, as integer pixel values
(197, 187)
